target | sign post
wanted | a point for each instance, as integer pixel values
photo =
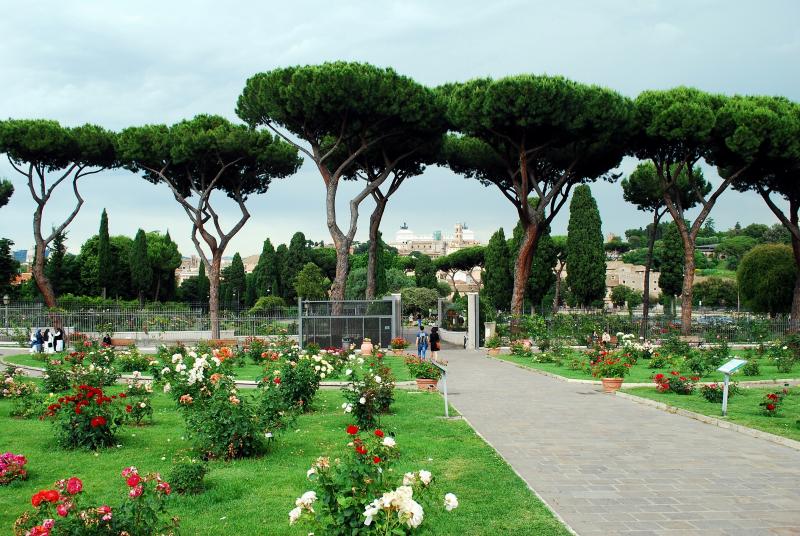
(443, 381)
(727, 369)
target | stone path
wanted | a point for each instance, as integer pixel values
(607, 465)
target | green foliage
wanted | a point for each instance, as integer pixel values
(418, 300)
(164, 259)
(266, 304)
(6, 191)
(714, 392)
(296, 260)
(235, 280)
(356, 283)
(105, 272)
(87, 418)
(141, 271)
(120, 282)
(311, 283)
(751, 368)
(188, 475)
(9, 266)
(586, 267)
(766, 278)
(397, 279)
(422, 369)
(672, 262)
(425, 273)
(715, 292)
(735, 248)
(267, 271)
(497, 280)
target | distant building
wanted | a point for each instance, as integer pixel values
(630, 275)
(190, 267)
(435, 244)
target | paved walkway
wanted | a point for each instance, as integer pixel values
(611, 466)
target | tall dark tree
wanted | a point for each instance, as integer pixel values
(678, 127)
(342, 111)
(267, 271)
(104, 272)
(250, 295)
(560, 250)
(141, 271)
(54, 269)
(44, 152)
(281, 255)
(497, 280)
(296, 259)
(164, 259)
(203, 284)
(535, 136)
(462, 260)
(198, 157)
(425, 272)
(120, 280)
(766, 277)
(644, 189)
(236, 279)
(6, 191)
(9, 267)
(586, 258)
(670, 280)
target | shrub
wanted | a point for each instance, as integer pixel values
(520, 349)
(369, 392)
(27, 401)
(606, 365)
(673, 345)
(675, 383)
(751, 368)
(697, 363)
(398, 343)
(12, 467)
(784, 363)
(354, 495)
(58, 377)
(422, 370)
(494, 342)
(300, 376)
(772, 402)
(138, 409)
(131, 360)
(86, 419)
(714, 391)
(61, 510)
(188, 475)
(660, 360)
(194, 373)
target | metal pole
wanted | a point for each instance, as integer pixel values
(300, 321)
(725, 396)
(444, 386)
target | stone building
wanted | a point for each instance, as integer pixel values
(435, 244)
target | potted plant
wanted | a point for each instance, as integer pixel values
(493, 344)
(366, 346)
(611, 371)
(398, 345)
(426, 373)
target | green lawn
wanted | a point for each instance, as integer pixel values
(247, 372)
(641, 373)
(743, 408)
(254, 496)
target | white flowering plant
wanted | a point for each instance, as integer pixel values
(300, 374)
(188, 372)
(369, 391)
(355, 495)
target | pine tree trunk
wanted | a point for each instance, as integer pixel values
(342, 269)
(372, 260)
(647, 265)
(557, 297)
(42, 281)
(522, 267)
(213, 292)
(794, 321)
(688, 283)
(158, 286)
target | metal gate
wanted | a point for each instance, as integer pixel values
(331, 324)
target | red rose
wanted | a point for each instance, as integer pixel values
(277, 381)
(658, 377)
(74, 485)
(695, 378)
(361, 450)
(98, 421)
(379, 432)
(50, 495)
(133, 480)
(683, 378)
(352, 429)
(122, 395)
(770, 407)
(675, 373)
(36, 499)
(376, 459)
(128, 408)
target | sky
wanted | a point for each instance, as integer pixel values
(119, 64)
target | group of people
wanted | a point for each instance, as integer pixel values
(49, 341)
(424, 341)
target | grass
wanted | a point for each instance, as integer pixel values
(641, 373)
(717, 272)
(743, 408)
(249, 371)
(254, 496)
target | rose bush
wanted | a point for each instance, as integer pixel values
(369, 391)
(772, 402)
(12, 467)
(88, 418)
(354, 493)
(674, 382)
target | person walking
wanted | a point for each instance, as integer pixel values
(419, 322)
(422, 343)
(435, 339)
(48, 341)
(58, 339)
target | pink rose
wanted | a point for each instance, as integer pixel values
(62, 510)
(135, 492)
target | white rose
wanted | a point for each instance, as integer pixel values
(142, 405)
(389, 442)
(310, 472)
(348, 372)
(322, 375)
(378, 379)
(425, 476)
(294, 515)
(167, 388)
(362, 400)
(409, 478)
(450, 502)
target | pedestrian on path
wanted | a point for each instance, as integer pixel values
(419, 321)
(435, 346)
(422, 343)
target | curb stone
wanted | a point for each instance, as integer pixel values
(752, 432)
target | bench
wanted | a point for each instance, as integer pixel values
(691, 340)
(217, 343)
(123, 342)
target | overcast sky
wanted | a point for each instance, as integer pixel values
(127, 63)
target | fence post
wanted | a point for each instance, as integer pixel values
(473, 321)
(440, 313)
(397, 321)
(300, 322)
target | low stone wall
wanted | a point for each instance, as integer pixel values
(453, 337)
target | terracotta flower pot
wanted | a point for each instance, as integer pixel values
(366, 347)
(612, 384)
(398, 351)
(493, 351)
(526, 343)
(424, 384)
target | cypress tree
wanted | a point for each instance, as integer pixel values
(236, 280)
(381, 286)
(203, 284)
(670, 280)
(250, 293)
(285, 284)
(266, 272)
(139, 262)
(425, 273)
(54, 269)
(296, 259)
(497, 280)
(586, 259)
(105, 273)
(542, 277)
